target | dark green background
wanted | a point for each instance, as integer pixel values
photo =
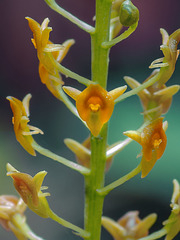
(19, 76)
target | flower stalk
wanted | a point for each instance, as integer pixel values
(84, 26)
(104, 191)
(99, 70)
(64, 161)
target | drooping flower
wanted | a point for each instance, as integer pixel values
(156, 99)
(172, 225)
(129, 226)
(22, 129)
(48, 71)
(153, 141)
(95, 105)
(30, 189)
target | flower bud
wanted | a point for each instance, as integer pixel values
(129, 14)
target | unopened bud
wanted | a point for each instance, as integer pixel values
(129, 14)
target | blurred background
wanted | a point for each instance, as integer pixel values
(19, 76)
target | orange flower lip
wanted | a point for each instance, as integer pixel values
(95, 105)
(156, 140)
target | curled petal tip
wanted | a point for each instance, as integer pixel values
(10, 168)
(72, 92)
(165, 125)
(133, 135)
(115, 93)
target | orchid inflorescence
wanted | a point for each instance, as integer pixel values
(94, 106)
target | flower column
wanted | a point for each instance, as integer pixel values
(100, 59)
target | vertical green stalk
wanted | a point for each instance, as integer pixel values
(100, 55)
(100, 61)
(94, 201)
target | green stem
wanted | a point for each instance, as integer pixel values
(63, 97)
(20, 223)
(99, 68)
(84, 26)
(147, 84)
(79, 231)
(117, 147)
(67, 72)
(94, 201)
(155, 235)
(104, 191)
(100, 55)
(83, 170)
(120, 38)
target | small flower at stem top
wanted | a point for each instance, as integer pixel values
(48, 73)
(168, 62)
(153, 141)
(22, 129)
(95, 105)
(129, 226)
(172, 225)
(156, 99)
(30, 189)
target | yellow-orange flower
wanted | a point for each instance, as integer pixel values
(153, 141)
(29, 189)
(129, 226)
(22, 129)
(48, 72)
(95, 105)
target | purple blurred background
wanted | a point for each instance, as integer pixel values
(19, 64)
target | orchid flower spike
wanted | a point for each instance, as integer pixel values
(95, 105)
(22, 129)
